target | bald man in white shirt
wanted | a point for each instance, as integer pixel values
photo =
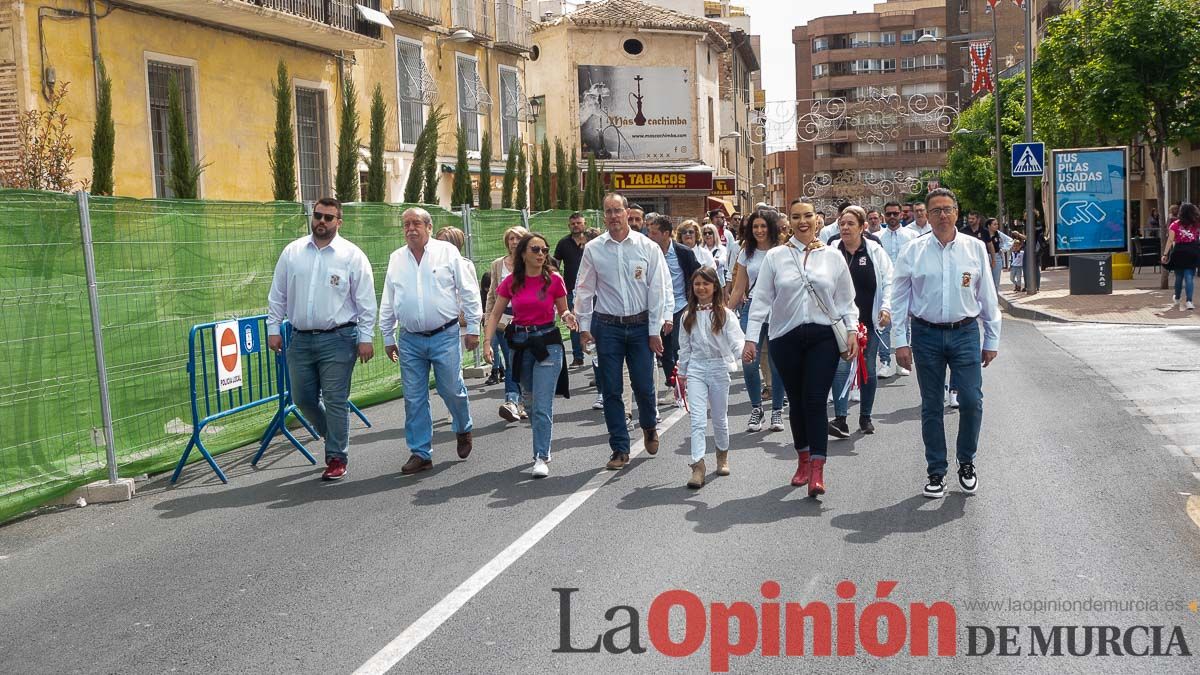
(943, 285)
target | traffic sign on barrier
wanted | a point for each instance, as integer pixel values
(229, 356)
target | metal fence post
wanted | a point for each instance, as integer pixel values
(525, 218)
(470, 246)
(89, 264)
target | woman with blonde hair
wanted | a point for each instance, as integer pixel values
(710, 243)
(511, 410)
(688, 234)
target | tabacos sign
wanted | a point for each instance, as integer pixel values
(658, 180)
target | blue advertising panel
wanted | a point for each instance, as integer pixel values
(1091, 201)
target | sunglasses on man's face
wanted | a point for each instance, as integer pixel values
(536, 250)
(327, 217)
(892, 213)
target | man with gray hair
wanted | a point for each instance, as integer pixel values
(428, 284)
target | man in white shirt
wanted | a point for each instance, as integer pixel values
(920, 224)
(893, 238)
(621, 295)
(829, 231)
(428, 284)
(874, 222)
(323, 285)
(943, 284)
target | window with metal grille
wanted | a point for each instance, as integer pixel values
(469, 101)
(411, 68)
(312, 143)
(511, 104)
(159, 75)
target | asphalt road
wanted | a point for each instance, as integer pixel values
(1081, 498)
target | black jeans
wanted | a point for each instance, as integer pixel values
(807, 358)
(670, 354)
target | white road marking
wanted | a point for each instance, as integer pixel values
(385, 659)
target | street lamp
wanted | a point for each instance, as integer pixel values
(736, 162)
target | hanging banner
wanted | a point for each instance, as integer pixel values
(981, 66)
(1091, 201)
(634, 112)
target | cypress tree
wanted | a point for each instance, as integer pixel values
(591, 195)
(376, 188)
(522, 179)
(545, 188)
(485, 171)
(562, 188)
(462, 193)
(573, 184)
(433, 127)
(535, 188)
(103, 138)
(283, 154)
(346, 177)
(510, 175)
(183, 180)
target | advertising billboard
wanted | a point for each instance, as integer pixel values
(1091, 201)
(637, 113)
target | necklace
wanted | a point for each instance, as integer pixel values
(701, 308)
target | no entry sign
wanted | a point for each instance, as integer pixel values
(229, 356)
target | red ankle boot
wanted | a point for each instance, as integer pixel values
(816, 483)
(800, 479)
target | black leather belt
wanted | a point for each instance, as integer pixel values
(642, 317)
(326, 330)
(435, 331)
(533, 329)
(946, 326)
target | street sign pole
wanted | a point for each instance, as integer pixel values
(1032, 282)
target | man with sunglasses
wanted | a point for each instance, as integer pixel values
(324, 286)
(943, 285)
(893, 238)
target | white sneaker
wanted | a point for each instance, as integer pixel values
(540, 469)
(510, 412)
(904, 372)
(776, 420)
(599, 404)
(855, 395)
(887, 370)
(953, 399)
(756, 420)
(1190, 306)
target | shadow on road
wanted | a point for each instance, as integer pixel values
(906, 517)
(774, 506)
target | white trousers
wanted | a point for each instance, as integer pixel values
(708, 393)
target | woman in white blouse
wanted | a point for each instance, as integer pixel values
(806, 290)
(710, 241)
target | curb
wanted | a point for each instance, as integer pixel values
(1020, 312)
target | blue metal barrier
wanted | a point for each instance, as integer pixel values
(264, 381)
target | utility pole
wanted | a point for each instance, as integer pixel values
(999, 141)
(1032, 281)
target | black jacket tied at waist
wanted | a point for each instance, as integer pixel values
(537, 345)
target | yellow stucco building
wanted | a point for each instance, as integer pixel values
(466, 55)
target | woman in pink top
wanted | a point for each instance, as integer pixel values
(536, 294)
(1182, 253)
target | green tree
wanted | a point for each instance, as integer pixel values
(104, 136)
(510, 175)
(593, 192)
(971, 161)
(461, 193)
(1137, 74)
(573, 184)
(433, 174)
(562, 186)
(376, 187)
(535, 194)
(183, 177)
(485, 172)
(545, 188)
(520, 202)
(283, 154)
(346, 176)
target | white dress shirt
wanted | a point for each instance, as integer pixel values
(705, 258)
(701, 344)
(623, 278)
(894, 240)
(918, 229)
(321, 288)
(781, 295)
(425, 296)
(945, 284)
(831, 230)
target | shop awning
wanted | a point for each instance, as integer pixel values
(725, 205)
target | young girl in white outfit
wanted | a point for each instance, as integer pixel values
(709, 347)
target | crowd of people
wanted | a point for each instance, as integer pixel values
(811, 312)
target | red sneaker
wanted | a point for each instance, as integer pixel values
(800, 479)
(335, 469)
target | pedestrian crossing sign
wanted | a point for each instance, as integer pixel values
(1028, 160)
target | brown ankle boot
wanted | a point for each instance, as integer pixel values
(722, 462)
(697, 480)
(804, 467)
(816, 484)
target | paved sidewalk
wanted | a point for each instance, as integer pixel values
(1139, 301)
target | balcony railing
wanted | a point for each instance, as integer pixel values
(472, 15)
(419, 12)
(334, 25)
(512, 27)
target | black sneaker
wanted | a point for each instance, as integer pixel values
(865, 425)
(966, 477)
(934, 488)
(838, 428)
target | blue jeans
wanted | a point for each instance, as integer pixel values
(320, 366)
(841, 404)
(498, 351)
(752, 375)
(539, 380)
(933, 350)
(1183, 277)
(630, 344)
(512, 381)
(417, 355)
(576, 340)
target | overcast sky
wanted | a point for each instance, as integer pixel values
(774, 20)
